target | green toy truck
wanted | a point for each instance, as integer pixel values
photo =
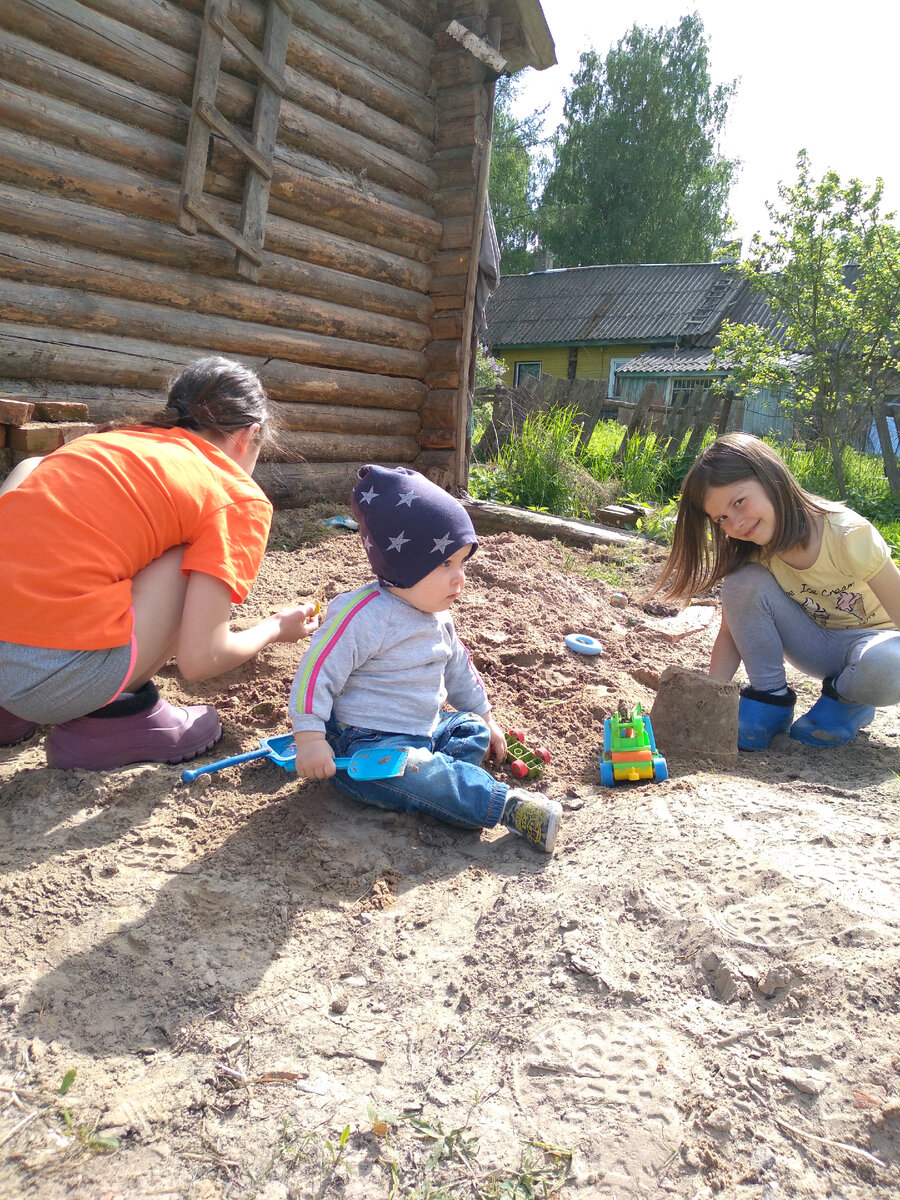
(629, 750)
(524, 762)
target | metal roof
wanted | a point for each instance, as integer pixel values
(651, 302)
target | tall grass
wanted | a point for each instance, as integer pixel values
(543, 468)
(547, 469)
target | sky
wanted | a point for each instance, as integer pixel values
(812, 74)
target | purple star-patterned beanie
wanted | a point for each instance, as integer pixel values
(408, 524)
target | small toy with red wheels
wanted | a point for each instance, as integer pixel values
(629, 750)
(524, 762)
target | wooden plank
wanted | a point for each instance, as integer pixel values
(196, 151)
(266, 64)
(211, 117)
(265, 131)
(497, 518)
(201, 211)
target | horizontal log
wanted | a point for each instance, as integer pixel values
(335, 420)
(457, 232)
(455, 202)
(30, 260)
(45, 70)
(292, 485)
(442, 380)
(443, 356)
(67, 124)
(157, 49)
(447, 325)
(488, 517)
(332, 447)
(333, 267)
(69, 309)
(437, 439)
(383, 26)
(340, 419)
(439, 409)
(297, 178)
(27, 160)
(95, 361)
(384, 62)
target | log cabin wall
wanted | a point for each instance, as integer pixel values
(360, 318)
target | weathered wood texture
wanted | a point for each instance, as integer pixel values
(360, 318)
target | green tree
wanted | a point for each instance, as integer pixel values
(637, 176)
(830, 272)
(514, 180)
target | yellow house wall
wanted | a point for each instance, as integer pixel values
(593, 361)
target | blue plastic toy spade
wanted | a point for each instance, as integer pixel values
(375, 763)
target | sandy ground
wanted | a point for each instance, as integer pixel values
(249, 987)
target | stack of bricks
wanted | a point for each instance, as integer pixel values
(35, 427)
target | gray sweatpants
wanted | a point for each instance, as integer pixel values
(769, 628)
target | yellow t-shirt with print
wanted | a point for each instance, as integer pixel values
(835, 590)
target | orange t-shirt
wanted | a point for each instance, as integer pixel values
(75, 533)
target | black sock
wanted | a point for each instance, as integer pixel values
(129, 704)
(787, 700)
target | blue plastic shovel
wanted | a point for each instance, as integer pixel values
(375, 763)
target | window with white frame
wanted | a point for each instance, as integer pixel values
(614, 364)
(526, 368)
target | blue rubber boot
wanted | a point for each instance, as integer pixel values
(832, 721)
(761, 716)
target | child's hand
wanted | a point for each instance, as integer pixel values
(315, 758)
(497, 748)
(297, 623)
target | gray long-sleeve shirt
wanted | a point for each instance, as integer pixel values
(380, 663)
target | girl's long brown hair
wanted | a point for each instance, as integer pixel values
(701, 553)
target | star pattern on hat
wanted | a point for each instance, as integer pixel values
(398, 542)
(368, 497)
(407, 499)
(441, 544)
(367, 542)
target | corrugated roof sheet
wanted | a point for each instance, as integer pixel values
(638, 303)
(668, 361)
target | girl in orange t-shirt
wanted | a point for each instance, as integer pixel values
(123, 549)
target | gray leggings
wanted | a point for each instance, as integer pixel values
(769, 628)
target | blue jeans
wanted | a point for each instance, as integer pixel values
(442, 777)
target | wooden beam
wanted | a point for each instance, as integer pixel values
(478, 47)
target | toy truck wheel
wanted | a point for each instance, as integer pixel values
(660, 769)
(519, 768)
(543, 753)
(607, 778)
(517, 735)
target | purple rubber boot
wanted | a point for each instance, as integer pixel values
(15, 729)
(138, 727)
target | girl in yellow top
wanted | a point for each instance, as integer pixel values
(124, 549)
(804, 580)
